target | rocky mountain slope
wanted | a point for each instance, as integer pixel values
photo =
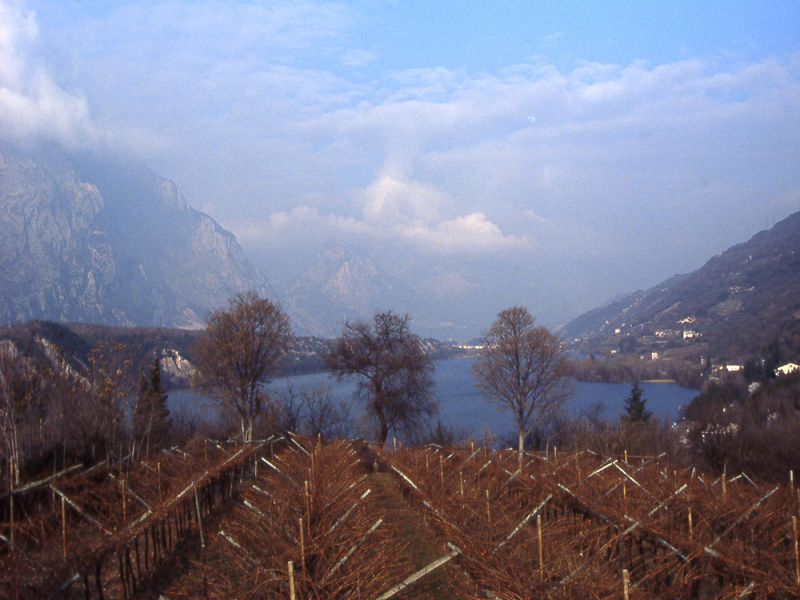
(731, 308)
(83, 238)
(343, 283)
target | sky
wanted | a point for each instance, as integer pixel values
(549, 154)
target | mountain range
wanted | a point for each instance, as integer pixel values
(731, 308)
(97, 239)
(100, 239)
(85, 238)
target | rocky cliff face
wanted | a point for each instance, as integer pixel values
(86, 239)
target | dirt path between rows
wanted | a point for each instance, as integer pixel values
(419, 545)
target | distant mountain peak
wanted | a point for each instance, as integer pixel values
(343, 283)
(88, 238)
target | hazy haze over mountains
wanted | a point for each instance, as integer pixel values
(483, 154)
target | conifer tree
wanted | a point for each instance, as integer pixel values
(636, 406)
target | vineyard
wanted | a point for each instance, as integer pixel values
(308, 518)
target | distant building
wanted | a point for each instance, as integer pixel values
(733, 368)
(689, 333)
(786, 369)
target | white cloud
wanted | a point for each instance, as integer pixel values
(32, 105)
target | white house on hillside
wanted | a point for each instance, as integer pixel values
(786, 369)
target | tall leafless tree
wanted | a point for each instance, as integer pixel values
(112, 379)
(240, 351)
(394, 373)
(522, 368)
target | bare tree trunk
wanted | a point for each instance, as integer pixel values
(384, 427)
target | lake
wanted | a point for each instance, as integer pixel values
(462, 406)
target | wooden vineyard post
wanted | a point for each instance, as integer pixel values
(63, 528)
(302, 546)
(11, 508)
(796, 553)
(724, 477)
(624, 498)
(488, 514)
(441, 470)
(291, 581)
(308, 503)
(626, 457)
(461, 482)
(199, 521)
(625, 584)
(691, 530)
(541, 548)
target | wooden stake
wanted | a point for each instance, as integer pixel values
(291, 581)
(796, 553)
(11, 509)
(302, 546)
(441, 469)
(625, 584)
(461, 482)
(159, 480)
(394, 444)
(63, 527)
(199, 521)
(308, 502)
(691, 529)
(488, 514)
(626, 457)
(541, 548)
(624, 498)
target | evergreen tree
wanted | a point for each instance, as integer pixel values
(150, 413)
(636, 406)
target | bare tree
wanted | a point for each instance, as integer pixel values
(522, 368)
(150, 422)
(111, 377)
(240, 351)
(395, 374)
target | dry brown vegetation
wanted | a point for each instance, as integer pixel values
(354, 521)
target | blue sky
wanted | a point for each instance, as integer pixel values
(547, 154)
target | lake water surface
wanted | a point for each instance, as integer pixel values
(461, 404)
